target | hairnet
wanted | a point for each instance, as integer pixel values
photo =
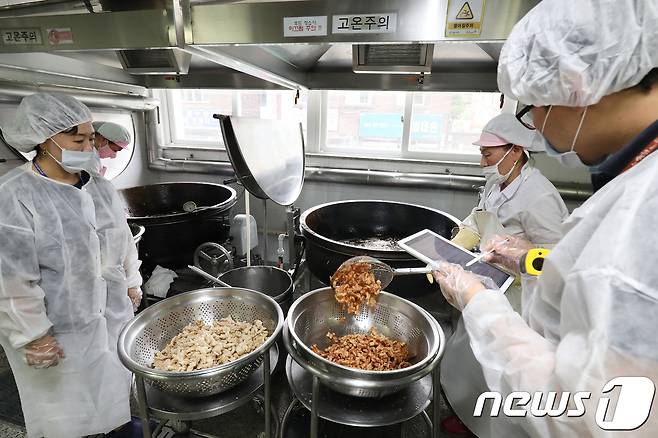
(42, 115)
(508, 129)
(114, 132)
(573, 53)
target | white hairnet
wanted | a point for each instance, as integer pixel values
(573, 53)
(42, 115)
(509, 129)
(114, 132)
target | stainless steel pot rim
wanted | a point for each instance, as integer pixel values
(374, 375)
(225, 205)
(333, 379)
(283, 296)
(153, 310)
(307, 230)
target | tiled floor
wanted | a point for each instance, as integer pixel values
(8, 430)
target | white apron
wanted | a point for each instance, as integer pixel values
(461, 374)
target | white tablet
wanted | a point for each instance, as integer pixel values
(429, 247)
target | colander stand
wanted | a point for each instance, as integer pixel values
(317, 387)
(144, 409)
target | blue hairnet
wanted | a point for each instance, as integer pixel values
(573, 53)
(42, 115)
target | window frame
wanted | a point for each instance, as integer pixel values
(316, 122)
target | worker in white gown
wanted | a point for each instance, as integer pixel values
(111, 138)
(69, 274)
(588, 72)
(518, 200)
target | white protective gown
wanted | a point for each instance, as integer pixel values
(531, 208)
(62, 257)
(591, 316)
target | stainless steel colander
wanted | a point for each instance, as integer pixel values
(151, 330)
(316, 313)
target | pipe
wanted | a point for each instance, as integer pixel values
(15, 93)
(575, 192)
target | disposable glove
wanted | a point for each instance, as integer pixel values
(459, 286)
(44, 352)
(135, 294)
(507, 251)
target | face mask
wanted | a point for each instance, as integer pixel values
(493, 176)
(107, 152)
(77, 161)
(567, 159)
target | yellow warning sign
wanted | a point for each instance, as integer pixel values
(465, 12)
(464, 18)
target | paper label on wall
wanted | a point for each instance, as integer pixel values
(464, 19)
(60, 35)
(305, 26)
(21, 37)
(365, 23)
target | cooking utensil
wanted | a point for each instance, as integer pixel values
(207, 276)
(189, 206)
(382, 272)
(331, 231)
(172, 234)
(268, 280)
(317, 312)
(151, 330)
(267, 156)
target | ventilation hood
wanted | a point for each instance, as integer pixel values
(251, 44)
(155, 61)
(392, 58)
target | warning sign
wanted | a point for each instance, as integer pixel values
(465, 12)
(464, 18)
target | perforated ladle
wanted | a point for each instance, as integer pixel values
(382, 271)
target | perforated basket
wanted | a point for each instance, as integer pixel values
(151, 330)
(316, 313)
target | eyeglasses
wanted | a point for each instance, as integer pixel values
(525, 117)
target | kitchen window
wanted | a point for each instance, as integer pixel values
(366, 122)
(398, 124)
(190, 113)
(426, 126)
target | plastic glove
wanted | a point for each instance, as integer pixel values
(135, 294)
(44, 352)
(508, 251)
(459, 286)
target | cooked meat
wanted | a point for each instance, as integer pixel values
(201, 346)
(354, 285)
(371, 352)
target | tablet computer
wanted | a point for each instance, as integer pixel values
(429, 247)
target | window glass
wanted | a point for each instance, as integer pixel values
(450, 122)
(192, 122)
(364, 121)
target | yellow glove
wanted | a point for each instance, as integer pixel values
(466, 238)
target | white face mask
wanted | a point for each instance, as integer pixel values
(493, 175)
(77, 161)
(567, 159)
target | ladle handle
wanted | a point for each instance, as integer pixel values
(207, 276)
(412, 271)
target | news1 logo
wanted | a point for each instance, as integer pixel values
(636, 395)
